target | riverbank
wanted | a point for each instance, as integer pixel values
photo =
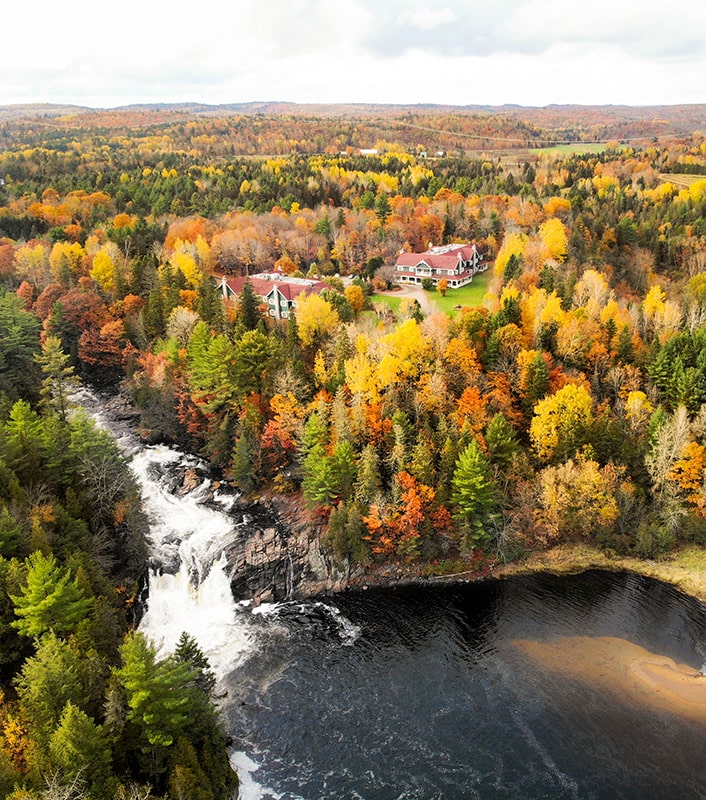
(684, 568)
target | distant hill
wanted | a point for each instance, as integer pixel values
(448, 128)
(32, 110)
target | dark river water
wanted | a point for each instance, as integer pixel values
(423, 692)
(502, 689)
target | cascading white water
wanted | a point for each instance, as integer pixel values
(197, 597)
(189, 587)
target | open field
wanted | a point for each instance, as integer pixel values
(390, 300)
(680, 178)
(471, 295)
(568, 149)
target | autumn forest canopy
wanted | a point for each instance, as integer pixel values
(565, 402)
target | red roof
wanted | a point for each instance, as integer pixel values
(263, 286)
(446, 258)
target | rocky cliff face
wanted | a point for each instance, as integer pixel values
(276, 554)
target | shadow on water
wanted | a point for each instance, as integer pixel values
(422, 692)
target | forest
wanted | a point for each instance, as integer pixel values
(568, 405)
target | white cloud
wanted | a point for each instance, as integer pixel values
(397, 51)
(426, 19)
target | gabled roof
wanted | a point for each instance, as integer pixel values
(446, 257)
(292, 290)
(263, 286)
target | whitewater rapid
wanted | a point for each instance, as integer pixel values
(189, 587)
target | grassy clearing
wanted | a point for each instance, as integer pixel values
(471, 295)
(680, 178)
(568, 149)
(685, 568)
(389, 300)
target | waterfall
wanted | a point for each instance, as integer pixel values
(189, 585)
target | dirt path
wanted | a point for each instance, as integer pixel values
(428, 306)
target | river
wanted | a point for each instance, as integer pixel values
(522, 688)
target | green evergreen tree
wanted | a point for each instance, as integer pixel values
(344, 469)
(319, 479)
(346, 534)
(209, 304)
(79, 747)
(501, 440)
(255, 360)
(537, 382)
(50, 679)
(189, 652)
(158, 698)
(186, 777)
(23, 445)
(474, 495)
(245, 466)
(625, 351)
(248, 307)
(50, 600)
(19, 343)
(59, 377)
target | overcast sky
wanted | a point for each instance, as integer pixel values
(530, 52)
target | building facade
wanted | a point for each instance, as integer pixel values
(458, 263)
(279, 292)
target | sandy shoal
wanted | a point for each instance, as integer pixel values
(626, 669)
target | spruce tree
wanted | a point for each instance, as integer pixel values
(248, 311)
(50, 600)
(501, 441)
(59, 378)
(474, 495)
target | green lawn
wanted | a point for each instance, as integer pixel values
(389, 300)
(471, 295)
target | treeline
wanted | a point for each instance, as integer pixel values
(416, 435)
(87, 709)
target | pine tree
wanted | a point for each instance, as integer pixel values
(50, 600)
(59, 378)
(474, 495)
(157, 692)
(248, 311)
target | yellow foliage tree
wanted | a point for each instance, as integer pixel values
(356, 297)
(404, 352)
(576, 498)
(65, 261)
(316, 318)
(186, 263)
(560, 421)
(32, 263)
(553, 236)
(513, 244)
(103, 271)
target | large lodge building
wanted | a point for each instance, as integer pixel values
(458, 263)
(279, 292)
